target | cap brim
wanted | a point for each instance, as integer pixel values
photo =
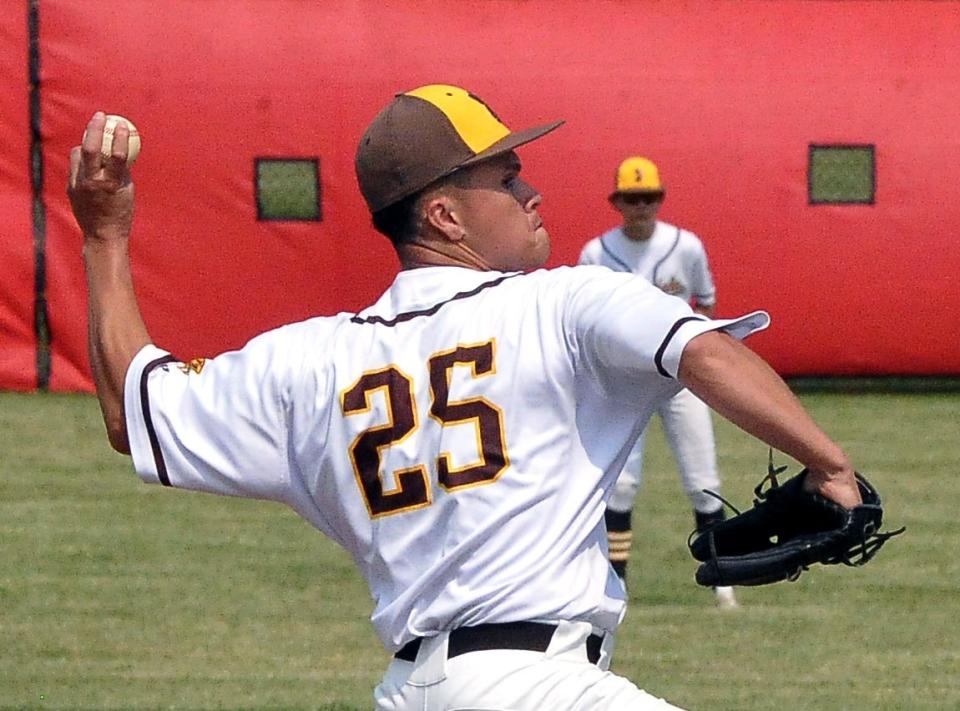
(637, 191)
(508, 143)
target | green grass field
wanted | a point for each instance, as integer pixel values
(118, 595)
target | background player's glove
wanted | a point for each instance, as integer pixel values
(787, 530)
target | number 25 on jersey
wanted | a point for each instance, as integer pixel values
(413, 485)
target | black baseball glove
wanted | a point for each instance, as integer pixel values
(787, 530)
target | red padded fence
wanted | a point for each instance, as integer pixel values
(725, 96)
(17, 342)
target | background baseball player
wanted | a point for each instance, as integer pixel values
(674, 260)
(459, 436)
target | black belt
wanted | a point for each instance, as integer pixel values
(532, 636)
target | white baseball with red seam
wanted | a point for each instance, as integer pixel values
(133, 146)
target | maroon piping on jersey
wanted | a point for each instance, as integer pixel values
(614, 257)
(656, 267)
(658, 358)
(148, 420)
(399, 318)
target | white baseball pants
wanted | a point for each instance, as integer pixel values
(512, 680)
(689, 431)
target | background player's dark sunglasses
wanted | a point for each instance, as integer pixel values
(645, 198)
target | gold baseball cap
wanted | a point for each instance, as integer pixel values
(637, 175)
(426, 134)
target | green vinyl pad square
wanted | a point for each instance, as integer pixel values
(288, 189)
(842, 174)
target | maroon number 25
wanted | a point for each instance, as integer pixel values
(412, 489)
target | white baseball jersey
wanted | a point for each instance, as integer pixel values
(673, 259)
(458, 438)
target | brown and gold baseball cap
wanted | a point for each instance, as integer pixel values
(637, 175)
(426, 134)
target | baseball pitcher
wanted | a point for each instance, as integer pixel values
(460, 436)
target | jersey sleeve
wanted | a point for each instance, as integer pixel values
(217, 425)
(625, 324)
(702, 287)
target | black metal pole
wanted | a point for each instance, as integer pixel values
(41, 323)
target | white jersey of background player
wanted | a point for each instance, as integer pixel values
(674, 260)
(460, 436)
